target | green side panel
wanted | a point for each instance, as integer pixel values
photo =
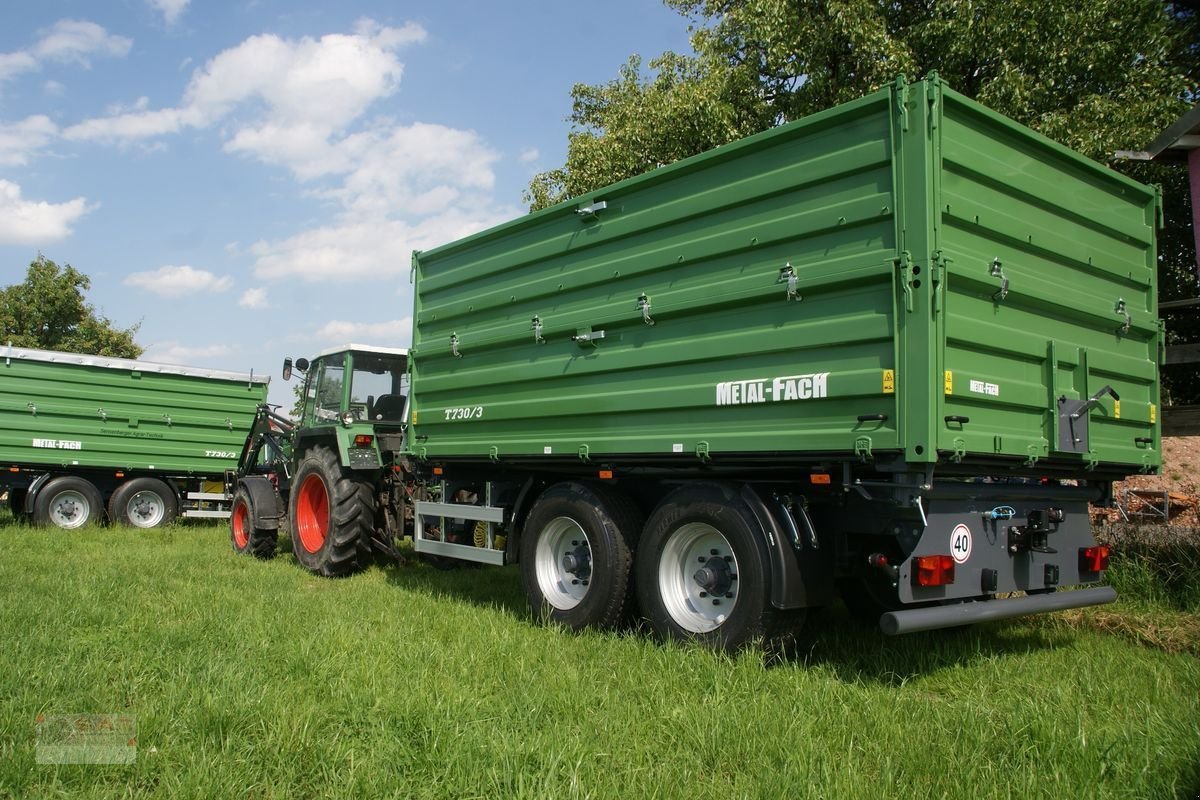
(893, 213)
(62, 409)
(730, 363)
(1075, 242)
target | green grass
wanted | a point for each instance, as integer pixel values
(254, 679)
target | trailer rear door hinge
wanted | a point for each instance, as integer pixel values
(902, 101)
(536, 327)
(589, 212)
(1122, 310)
(586, 337)
(1033, 454)
(996, 270)
(862, 448)
(904, 265)
(787, 274)
(937, 269)
(702, 451)
(585, 453)
(494, 453)
(454, 345)
(960, 450)
(643, 304)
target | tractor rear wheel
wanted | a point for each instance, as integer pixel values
(332, 515)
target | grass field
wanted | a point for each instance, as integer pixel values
(254, 679)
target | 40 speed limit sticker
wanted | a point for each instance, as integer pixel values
(960, 543)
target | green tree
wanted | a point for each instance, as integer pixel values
(1098, 76)
(48, 310)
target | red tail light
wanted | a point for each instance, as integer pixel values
(933, 570)
(1093, 559)
(363, 440)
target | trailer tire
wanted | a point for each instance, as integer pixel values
(68, 502)
(143, 503)
(577, 556)
(331, 513)
(703, 572)
(244, 534)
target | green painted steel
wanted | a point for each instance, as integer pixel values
(75, 411)
(805, 292)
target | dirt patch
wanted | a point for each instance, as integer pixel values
(1172, 497)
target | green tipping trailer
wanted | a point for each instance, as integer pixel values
(893, 349)
(80, 434)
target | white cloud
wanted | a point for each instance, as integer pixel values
(254, 298)
(171, 10)
(529, 155)
(20, 140)
(67, 41)
(172, 352)
(375, 248)
(53, 89)
(389, 333)
(31, 222)
(134, 125)
(301, 104)
(13, 64)
(295, 93)
(176, 281)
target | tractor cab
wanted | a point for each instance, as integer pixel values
(357, 396)
(354, 384)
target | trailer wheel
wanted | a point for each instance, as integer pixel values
(246, 537)
(577, 555)
(702, 571)
(143, 503)
(331, 515)
(68, 502)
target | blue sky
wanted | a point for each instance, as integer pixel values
(248, 179)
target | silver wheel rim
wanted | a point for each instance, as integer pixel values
(563, 563)
(698, 577)
(145, 509)
(70, 509)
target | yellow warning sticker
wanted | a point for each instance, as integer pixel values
(889, 381)
(949, 382)
(1116, 409)
(1152, 412)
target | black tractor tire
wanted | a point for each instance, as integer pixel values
(245, 536)
(68, 502)
(332, 515)
(143, 503)
(577, 555)
(703, 572)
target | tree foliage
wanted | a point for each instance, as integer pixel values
(48, 310)
(1098, 76)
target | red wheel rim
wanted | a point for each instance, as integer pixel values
(312, 513)
(239, 522)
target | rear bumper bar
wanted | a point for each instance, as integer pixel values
(927, 619)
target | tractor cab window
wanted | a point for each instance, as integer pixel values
(327, 397)
(378, 388)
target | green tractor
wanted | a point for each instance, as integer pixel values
(332, 474)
